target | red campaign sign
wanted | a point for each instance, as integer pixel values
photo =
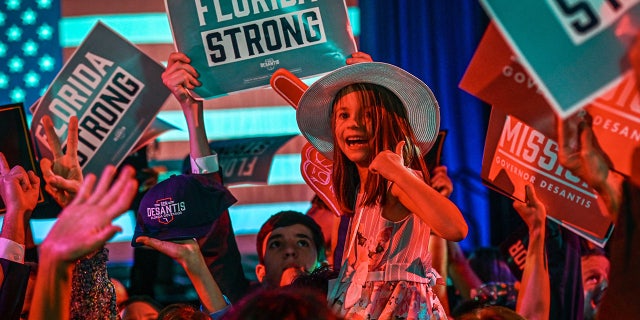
(495, 76)
(517, 154)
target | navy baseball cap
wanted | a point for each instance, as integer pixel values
(182, 207)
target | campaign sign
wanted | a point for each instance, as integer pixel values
(236, 45)
(516, 155)
(114, 89)
(574, 50)
(247, 160)
(495, 76)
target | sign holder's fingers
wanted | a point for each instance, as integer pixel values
(33, 179)
(4, 165)
(566, 138)
(21, 176)
(52, 137)
(64, 184)
(72, 137)
(46, 168)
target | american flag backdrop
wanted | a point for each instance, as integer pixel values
(36, 37)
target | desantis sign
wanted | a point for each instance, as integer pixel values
(575, 50)
(113, 88)
(236, 44)
(516, 155)
(496, 76)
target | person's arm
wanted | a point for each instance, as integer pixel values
(438, 250)
(441, 182)
(19, 191)
(358, 57)
(462, 275)
(219, 246)
(93, 209)
(180, 77)
(187, 254)
(534, 295)
(417, 196)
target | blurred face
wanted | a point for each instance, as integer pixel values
(595, 275)
(288, 251)
(353, 128)
(139, 311)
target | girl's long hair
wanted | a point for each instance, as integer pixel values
(389, 125)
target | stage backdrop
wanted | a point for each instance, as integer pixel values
(37, 36)
(435, 40)
(432, 39)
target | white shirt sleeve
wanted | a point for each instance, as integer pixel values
(11, 250)
(208, 164)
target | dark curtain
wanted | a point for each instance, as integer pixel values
(435, 40)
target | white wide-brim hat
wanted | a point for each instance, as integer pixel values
(316, 104)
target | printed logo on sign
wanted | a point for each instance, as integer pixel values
(164, 210)
(584, 19)
(269, 64)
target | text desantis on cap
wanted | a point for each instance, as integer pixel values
(288, 31)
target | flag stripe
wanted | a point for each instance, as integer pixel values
(252, 113)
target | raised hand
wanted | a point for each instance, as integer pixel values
(578, 150)
(185, 252)
(180, 77)
(19, 189)
(82, 227)
(358, 57)
(532, 211)
(387, 162)
(584, 158)
(441, 181)
(85, 224)
(63, 175)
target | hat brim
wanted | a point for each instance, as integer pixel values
(172, 234)
(315, 107)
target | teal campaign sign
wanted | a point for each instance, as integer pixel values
(113, 88)
(236, 45)
(575, 50)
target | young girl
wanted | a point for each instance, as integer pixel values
(376, 121)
